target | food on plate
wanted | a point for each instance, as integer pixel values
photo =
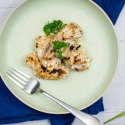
(70, 32)
(48, 69)
(54, 27)
(59, 46)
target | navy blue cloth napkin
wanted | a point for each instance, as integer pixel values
(111, 7)
(13, 111)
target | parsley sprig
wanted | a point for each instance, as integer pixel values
(54, 27)
(57, 47)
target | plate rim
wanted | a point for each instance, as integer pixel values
(64, 112)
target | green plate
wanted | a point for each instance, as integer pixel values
(79, 89)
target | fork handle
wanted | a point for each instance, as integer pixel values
(85, 118)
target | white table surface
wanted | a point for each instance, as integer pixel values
(114, 98)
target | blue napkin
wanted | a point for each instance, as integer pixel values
(13, 111)
(111, 7)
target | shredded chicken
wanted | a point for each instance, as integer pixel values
(51, 69)
(71, 31)
(46, 63)
(77, 57)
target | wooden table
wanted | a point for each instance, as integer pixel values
(114, 98)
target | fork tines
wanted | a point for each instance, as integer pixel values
(18, 77)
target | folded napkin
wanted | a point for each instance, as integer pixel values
(13, 111)
(111, 7)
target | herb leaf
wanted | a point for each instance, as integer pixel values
(57, 47)
(117, 116)
(54, 27)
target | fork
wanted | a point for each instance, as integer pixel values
(31, 86)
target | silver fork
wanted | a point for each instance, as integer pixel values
(31, 86)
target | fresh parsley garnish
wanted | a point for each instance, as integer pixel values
(54, 27)
(57, 47)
